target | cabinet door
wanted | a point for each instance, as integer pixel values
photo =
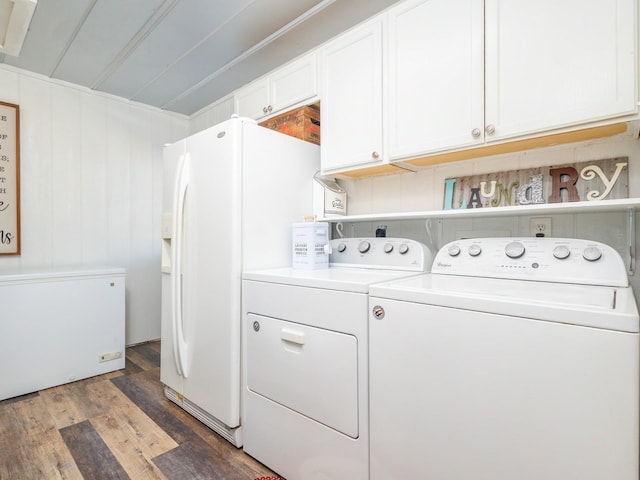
(290, 85)
(554, 63)
(221, 111)
(351, 107)
(253, 99)
(294, 83)
(436, 76)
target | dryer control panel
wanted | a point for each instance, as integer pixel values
(380, 253)
(563, 260)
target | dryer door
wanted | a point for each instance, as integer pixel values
(310, 370)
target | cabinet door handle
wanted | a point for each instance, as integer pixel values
(476, 132)
(375, 155)
(490, 129)
(264, 110)
(269, 108)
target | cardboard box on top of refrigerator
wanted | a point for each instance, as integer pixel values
(302, 123)
(310, 245)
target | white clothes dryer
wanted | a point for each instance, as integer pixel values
(305, 347)
(513, 359)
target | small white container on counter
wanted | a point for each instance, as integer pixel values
(310, 245)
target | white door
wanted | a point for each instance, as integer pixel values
(211, 279)
(253, 100)
(459, 395)
(553, 63)
(351, 107)
(169, 373)
(205, 331)
(293, 83)
(296, 365)
(436, 76)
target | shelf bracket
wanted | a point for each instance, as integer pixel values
(631, 241)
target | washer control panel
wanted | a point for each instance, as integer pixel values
(562, 260)
(380, 252)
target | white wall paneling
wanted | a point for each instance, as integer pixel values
(91, 185)
(65, 209)
(36, 175)
(213, 114)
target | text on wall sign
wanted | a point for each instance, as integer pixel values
(591, 181)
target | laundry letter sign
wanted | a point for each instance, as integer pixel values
(590, 181)
(9, 179)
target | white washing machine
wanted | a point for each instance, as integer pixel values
(515, 359)
(306, 358)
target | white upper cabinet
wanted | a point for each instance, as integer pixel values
(253, 100)
(351, 99)
(286, 87)
(469, 72)
(436, 76)
(553, 63)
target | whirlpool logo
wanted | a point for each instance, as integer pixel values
(444, 265)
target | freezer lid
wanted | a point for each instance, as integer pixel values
(26, 274)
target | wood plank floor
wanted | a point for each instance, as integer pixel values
(115, 426)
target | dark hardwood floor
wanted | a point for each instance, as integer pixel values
(115, 426)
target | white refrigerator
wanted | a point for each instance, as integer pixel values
(231, 193)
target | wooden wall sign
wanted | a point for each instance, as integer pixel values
(9, 179)
(591, 181)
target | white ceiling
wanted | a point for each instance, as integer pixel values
(179, 55)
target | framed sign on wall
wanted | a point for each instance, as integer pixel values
(9, 179)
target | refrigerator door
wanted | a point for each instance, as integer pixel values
(169, 372)
(200, 324)
(206, 276)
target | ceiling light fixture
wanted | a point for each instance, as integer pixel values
(15, 17)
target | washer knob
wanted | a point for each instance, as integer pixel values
(342, 247)
(388, 248)
(514, 250)
(475, 250)
(364, 246)
(403, 248)
(454, 250)
(591, 254)
(561, 252)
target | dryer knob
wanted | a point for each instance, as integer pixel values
(592, 254)
(475, 250)
(561, 252)
(388, 248)
(364, 246)
(342, 247)
(403, 248)
(514, 250)
(454, 250)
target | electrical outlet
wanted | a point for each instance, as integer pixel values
(540, 227)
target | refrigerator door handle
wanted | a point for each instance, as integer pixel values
(180, 193)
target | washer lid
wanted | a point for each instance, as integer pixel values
(611, 308)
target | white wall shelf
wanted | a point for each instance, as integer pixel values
(602, 206)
